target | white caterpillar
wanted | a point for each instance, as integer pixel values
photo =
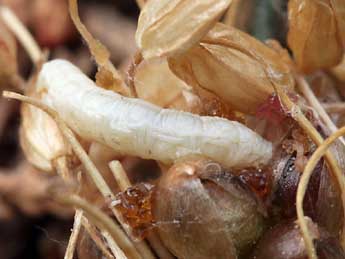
(135, 127)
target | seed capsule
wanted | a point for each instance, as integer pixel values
(313, 25)
(284, 241)
(166, 27)
(202, 211)
(234, 66)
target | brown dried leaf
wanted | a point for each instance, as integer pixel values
(312, 26)
(234, 66)
(166, 27)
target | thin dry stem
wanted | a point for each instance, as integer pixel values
(61, 166)
(119, 175)
(92, 231)
(306, 125)
(314, 102)
(303, 184)
(124, 183)
(103, 221)
(336, 107)
(87, 163)
(97, 49)
(22, 34)
(115, 249)
(74, 236)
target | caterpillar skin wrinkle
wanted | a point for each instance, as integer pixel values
(135, 127)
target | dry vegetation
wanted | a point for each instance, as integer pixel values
(193, 139)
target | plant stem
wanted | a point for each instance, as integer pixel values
(22, 34)
(303, 184)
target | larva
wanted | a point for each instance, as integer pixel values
(135, 127)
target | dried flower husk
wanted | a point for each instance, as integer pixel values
(8, 57)
(312, 26)
(235, 66)
(166, 27)
(153, 81)
(284, 241)
(202, 211)
(40, 137)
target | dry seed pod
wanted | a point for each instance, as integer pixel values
(202, 211)
(284, 241)
(312, 26)
(8, 57)
(40, 138)
(180, 95)
(235, 66)
(166, 27)
(164, 88)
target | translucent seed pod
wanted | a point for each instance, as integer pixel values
(202, 211)
(313, 25)
(166, 27)
(234, 66)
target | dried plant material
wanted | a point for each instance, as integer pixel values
(338, 7)
(88, 244)
(103, 221)
(22, 34)
(152, 78)
(135, 127)
(20, 8)
(240, 14)
(83, 157)
(339, 71)
(107, 76)
(141, 3)
(51, 28)
(8, 57)
(26, 188)
(40, 137)
(155, 83)
(313, 25)
(203, 211)
(304, 87)
(112, 28)
(320, 151)
(72, 243)
(167, 27)
(234, 66)
(283, 241)
(100, 155)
